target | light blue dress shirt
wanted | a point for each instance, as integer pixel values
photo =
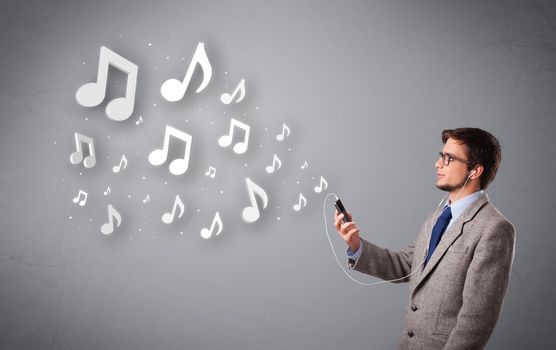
(458, 207)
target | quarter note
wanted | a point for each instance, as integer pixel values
(211, 172)
(252, 213)
(123, 161)
(92, 94)
(302, 203)
(174, 90)
(177, 166)
(83, 201)
(275, 160)
(168, 218)
(77, 156)
(319, 188)
(207, 233)
(285, 128)
(226, 98)
(226, 140)
(108, 228)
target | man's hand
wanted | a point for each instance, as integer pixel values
(348, 231)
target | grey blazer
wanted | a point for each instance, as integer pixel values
(454, 301)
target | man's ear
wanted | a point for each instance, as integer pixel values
(476, 172)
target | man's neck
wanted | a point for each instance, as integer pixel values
(459, 194)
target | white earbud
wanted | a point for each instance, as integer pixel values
(471, 174)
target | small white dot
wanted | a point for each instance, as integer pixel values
(129, 196)
(298, 182)
(155, 67)
(183, 58)
(181, 233)
(278, 218)
(200, 109)
(265, 129)
(55, 142)
(289, 149)
(63, 180)
(211, 123)
(83, 62)
(80, 174)
(257, 108)
(198, 210)
(108, 136)
(70, 217)
(225, 72)
(187, 120)
(167, 57)
(139, 229)
(90, 220)
(144, 178)
(131, 237)
(166, 182)
(246, 165)
(150, 44)
(202, 188)
(221, 192)
(86, 118)
(154, 104)
(260, 146)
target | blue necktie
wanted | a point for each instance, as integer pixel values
(438, 230)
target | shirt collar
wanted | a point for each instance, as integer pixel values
(459, 206)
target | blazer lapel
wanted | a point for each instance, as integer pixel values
(450, 236)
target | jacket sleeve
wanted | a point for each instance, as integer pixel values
(383, 263)
(484, 289)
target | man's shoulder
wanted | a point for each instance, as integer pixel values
(493, 219)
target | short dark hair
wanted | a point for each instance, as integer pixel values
(482, 149)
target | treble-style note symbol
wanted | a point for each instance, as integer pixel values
(77, 156)
(92, 94)
(78, 198)
(108, 228)
(226, 140)
(168, 218)
(139, 121)
(147, 199)
(319, 188)
(226, 98)
(174, 90)
(207, 233)
(107, 191)
(304, 165)
(302, 203)
(123, 161)
(177, 166)
(252, 213)
(275, 160)
(285, 128)
(211, 172)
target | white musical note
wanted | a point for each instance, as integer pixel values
(139, 121)
(280, 137)
(226, 98)
(123, 161)
(226, 140)
(108, 228)
(252, 213)
(304, 165)
(107, 191)
(147, 199)
(92, 94)
(275, 160)
(298, 206)
(319, 188)
(207, 233)
(77, 157)
(83, 201)
(168, 218)
(211, 172)
(177, 166)
(174, 90)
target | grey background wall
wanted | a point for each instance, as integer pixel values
(366, 88)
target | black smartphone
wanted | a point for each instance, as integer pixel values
(341, 209)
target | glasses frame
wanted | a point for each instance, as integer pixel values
(450, 157)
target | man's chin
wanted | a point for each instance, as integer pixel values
(446, 188)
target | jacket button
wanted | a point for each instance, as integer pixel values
(413, 308)
(410, 334)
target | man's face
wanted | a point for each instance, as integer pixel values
(453, 176)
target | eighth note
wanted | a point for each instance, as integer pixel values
(92, 94)
(107, 191)
(77, 156)
(147, 199)
(211, 172)
(226, 98)
(83, 201)
(174, 90)
(139, 121)
(252, 213)
(280, 137)
(304, 165)
(298, 206)
(319, 188)
(123, 161)
(108, 228)
(168, 218)
(207, 233)
(275, 160)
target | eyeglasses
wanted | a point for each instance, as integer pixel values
(447, 158)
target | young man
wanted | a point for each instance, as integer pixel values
(459, 266)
